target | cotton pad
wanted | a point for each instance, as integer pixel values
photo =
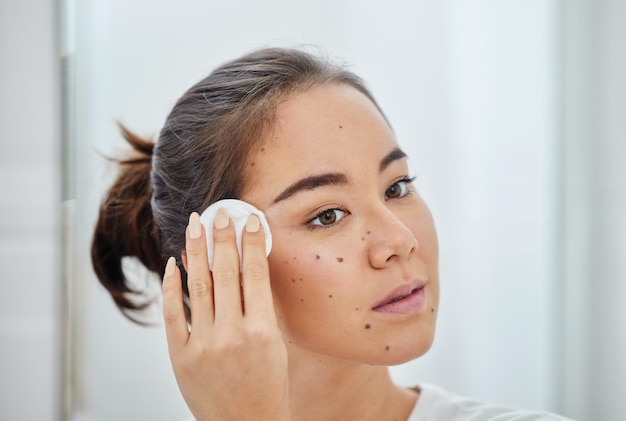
(238, 210)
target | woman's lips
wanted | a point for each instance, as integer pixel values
(406, 299)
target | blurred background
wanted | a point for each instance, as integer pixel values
(512, 113)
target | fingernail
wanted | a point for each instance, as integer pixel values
(253, 223)
(170, 267)
(195, 228)
(221, 218)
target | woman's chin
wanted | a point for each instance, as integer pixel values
(400, 352)
(400, 355)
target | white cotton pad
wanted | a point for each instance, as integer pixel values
(238, 210)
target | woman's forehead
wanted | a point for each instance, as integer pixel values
(315, 125)
(327, 129)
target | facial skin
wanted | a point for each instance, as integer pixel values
(327, 279)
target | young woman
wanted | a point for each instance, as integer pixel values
(351, 284)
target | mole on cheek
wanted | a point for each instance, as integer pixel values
(330, 295)
(340, 126)
(368, 232)
(317, 256)
(387, 348)
(340, 259)
(367, 326)
(432, 309)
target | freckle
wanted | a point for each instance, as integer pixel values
(294, 257)
(252, 164)
(367, 326)
(340, 259)
(362, 238)
(432, 310)
(290, 342)
(340, 126)
(317, 256)
(286, 262)
(293, 280)
(368, 232)
(301, 279)
(387, 348)
(330, 295)
(262, 149)
(357, 309)
(301, 300)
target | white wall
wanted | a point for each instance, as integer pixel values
(594, 193)
(607, 333)
(29, 217)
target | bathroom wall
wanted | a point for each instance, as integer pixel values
(29, 211)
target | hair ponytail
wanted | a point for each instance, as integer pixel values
(126, 227)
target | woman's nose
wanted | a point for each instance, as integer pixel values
(389, 238)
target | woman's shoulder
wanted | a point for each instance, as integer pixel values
(436, 403)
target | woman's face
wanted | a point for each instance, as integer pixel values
(354, 264)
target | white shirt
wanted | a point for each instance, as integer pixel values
(436, 404)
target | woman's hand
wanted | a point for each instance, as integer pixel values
(233, 363)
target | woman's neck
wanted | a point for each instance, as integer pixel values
(324, 388)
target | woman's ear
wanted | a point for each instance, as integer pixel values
(183, 256)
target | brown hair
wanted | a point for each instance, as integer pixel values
(199, 158)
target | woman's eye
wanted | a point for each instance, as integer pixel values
(399, 189)
(328, 217)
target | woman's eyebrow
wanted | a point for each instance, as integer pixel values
(313, 182)
(310, 183)
(392, 156)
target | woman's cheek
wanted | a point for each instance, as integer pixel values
(307, 278)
